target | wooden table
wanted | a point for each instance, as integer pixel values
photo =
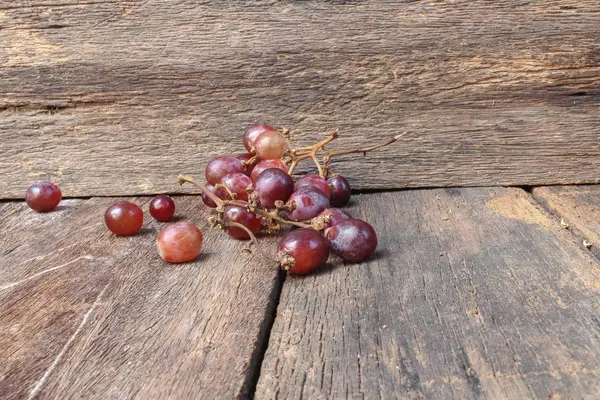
(472, 293)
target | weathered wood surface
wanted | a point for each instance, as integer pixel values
(474, 293)
(118, 97)
(84, 314)
(579, 207)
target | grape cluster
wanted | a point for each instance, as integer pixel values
(255, 191)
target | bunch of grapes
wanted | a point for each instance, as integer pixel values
(254, 192)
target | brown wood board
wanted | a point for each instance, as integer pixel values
(473, 293)
(119, 97)
(578, 207)
(84, 314)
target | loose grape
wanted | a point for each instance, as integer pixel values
(313, 181)
(261, 166)
(237, 184)
(352, 239)
(179, 242)
(308, 203)
(340, 191)
(124, 218)
(221, 166)
(273, 184)
(252, 132)
(162, 208)
(303, 251)
(244, 217)
(43, 197)
(331, 216)
(270, 145)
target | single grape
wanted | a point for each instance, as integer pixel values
(308, 203)
(303, 251)
(340, 191)
(270, 145)
(124, 218)
(206, 199)
(237, 184)
(252, 132)
(247, 167)
(261, 166)
(352, 239)
(273, 184)
(331, 216)
(43, 197)
(313, 181)
(162, 208)
(180, 242)
(221, 166)
(244, 217)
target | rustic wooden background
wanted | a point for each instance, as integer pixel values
(118, 97)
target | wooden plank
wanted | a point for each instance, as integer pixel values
(492, 93)
(579, 207)
(104, 317)
(473, 293)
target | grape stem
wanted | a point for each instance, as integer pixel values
(273, 215)
(252, 238)
(303, 153)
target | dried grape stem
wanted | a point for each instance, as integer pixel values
(253, 238)
(221, 203)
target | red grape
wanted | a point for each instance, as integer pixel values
(309, 202)
(221, 166)
(270, 145)
(252, 132)
(340, 191)
(237, 184)
(307, 248)
(180, 242)
(313, 181)
(162, 208)
(124, 218)
(352, 239)
(244, 217)
(261, 166)
(43, 197)
(206, 199)
(248, 167)
(273, 184)
(333, 215)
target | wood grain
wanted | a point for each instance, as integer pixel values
(84, 314)
(119, 97)
(579, 207)
(473, 293)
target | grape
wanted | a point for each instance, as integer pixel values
(236, 183)
(247, 167)
(313, 181)
(340, 191)
(261, 166)
(270, 145)
(124, 218)
(221, 166)
(352, 239)
(307, 248)
(180, 242)
(273, 184)
(309, 202)
(244, 217)
(206, 199)
(43, 197)
(252, 132)
(334, 215)
(162, 208)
